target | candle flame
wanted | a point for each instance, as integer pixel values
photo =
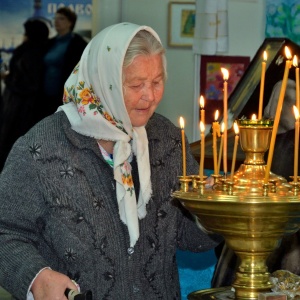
(287, 53)
(181, 122)
(202, 127)
(295, 61)
(265, 56)
(201, 101)
(222, 127)
(296, 112)
(236, 128)
(225, 73)
(253, 117)
(216, 115)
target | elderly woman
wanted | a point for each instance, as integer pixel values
(86, 194)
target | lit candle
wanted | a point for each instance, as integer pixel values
(253, 118)
(202, 130)
(202, 111)
(181, 121)
(295, 63)
(262, 85)
(221, 147)
(296, 148)
(236, 139)
(216, 132)
(288, 64)
(225, 77)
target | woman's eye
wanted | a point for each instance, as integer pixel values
(137, 86)
(157, 83)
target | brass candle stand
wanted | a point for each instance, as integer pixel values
(251, 216)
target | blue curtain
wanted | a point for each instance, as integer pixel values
(283, 19)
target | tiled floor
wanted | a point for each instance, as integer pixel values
(4, 295)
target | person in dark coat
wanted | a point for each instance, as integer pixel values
(63, 54)
(23, 86)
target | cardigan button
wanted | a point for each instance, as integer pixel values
(130, 250)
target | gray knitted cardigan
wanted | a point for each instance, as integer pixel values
(58, 208)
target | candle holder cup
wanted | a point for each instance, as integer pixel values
(255, 136)
(298, 178)
(201, 185)
(216, 177)
(185, 183)
(295, 187)
(195, 179)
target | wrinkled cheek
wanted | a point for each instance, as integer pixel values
(159, 96)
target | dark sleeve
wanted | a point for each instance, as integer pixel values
(191, 237)
(283, 157)
(26, 71)
(21, 207)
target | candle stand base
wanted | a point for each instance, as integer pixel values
(224, 293)
(252, 226)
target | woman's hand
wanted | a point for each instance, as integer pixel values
(51, 285)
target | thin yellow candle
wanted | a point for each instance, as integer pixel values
(216, 132)
(181, 121)
(225, 77)
(236, 140)
(202, 130)
(262, 85)
(296, 147)
(288, 64)
(221, 147)
(202, 111)
(295, 63)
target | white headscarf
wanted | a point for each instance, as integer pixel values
(95, 107)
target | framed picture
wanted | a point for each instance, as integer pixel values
(244, 100)
(181, 24)
(211, 80)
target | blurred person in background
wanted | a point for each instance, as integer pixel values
(63, 53)
(23, 86)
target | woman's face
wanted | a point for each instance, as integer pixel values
(62, 24)
(143, 88)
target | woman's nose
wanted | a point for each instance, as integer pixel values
(148, 93)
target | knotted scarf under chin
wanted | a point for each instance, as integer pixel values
(131, 210)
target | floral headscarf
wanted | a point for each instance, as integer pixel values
(94, 105)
